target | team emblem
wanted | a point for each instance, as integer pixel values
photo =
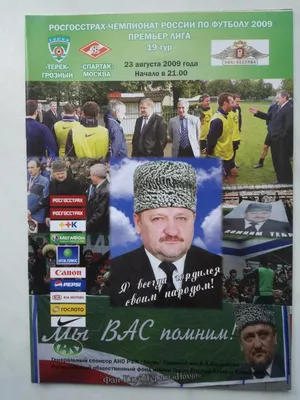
(95, 49)
(240, 53)
(59, 47)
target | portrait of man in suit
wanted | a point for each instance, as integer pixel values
(257, 222)
(184, 131)
(150, 132)
(256, 328)
(51, 116)
(280, 129)
(167, 270)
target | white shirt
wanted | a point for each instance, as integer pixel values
(161, 275)
(268, 371)
(283, 105)
(256, 226)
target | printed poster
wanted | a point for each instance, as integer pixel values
(160, 198)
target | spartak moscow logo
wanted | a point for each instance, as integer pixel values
(94, 49)
(59, 47)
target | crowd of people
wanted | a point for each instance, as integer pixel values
(248, 288)
(42, 256)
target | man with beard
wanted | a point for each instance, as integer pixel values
(258, 339)
(158, 273)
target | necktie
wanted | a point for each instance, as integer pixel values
(184, 138)
(92, 191)
(260, 374)
(168, 286)
(252, 227)
(145, 120)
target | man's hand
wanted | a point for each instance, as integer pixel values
(28, 215)
(47, 221)
(203, 152)
(253, 110)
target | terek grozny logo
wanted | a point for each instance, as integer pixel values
(94, 49)
(240, 52)
(59, 47)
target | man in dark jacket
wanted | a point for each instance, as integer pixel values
(150, 132)
(39, 140)
(51, 117)
(62, 183)
(281, 134)
(113, 118)
(97, 210)
(258, 341)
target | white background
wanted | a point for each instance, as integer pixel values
(14, 327)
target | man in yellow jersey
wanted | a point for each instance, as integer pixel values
(62, 128)
(219, 137)
(88, 140)
(207, 114)
(236, 121)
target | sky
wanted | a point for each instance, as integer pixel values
(123, 237)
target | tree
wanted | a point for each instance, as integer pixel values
(214, 88)
(288, 85)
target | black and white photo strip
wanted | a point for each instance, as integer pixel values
(258, 244)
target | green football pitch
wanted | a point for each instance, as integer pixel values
(253, 135)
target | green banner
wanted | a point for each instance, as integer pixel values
(177, 46)
(68, 238)
(178, 345)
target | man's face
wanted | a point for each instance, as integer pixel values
(60, 175)
(167, 233)
(53, 107)
(224, 291)
(229, 104)
(258, 342)
(257, 216)
(206, 102)
(237, 102)
(95, 179)
(145, 110)
(233, 275)
(88, 257)
(280, 99)
(31, 260)
(290, 274)
(33, 169)
(182, 110)
(121, 113)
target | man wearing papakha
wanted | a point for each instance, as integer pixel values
(256, 328)
(167, 270)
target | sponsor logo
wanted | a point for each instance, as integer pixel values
(73, 297)
(239, 52)
(68, 347)
(71, 226)
(91, 134)
(68, 238)
(68, 309)
(67, 201)
(67, 272)
(79, 322)
(67, 255)
(65, 213)
(94, 49)
(59, 47)
(67, 284)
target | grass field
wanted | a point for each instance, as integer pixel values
(253, 135)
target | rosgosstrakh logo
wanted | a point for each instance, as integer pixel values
(94, 49)
(59, 47)
(239, 52)
(68, 347)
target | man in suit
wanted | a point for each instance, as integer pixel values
(51, 116)
(258, 339)
(184, 131)
(97, 209)
(166, 271)
(150, 132)
(281, 134)
(256, 222)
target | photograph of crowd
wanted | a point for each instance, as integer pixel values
(94, 257)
